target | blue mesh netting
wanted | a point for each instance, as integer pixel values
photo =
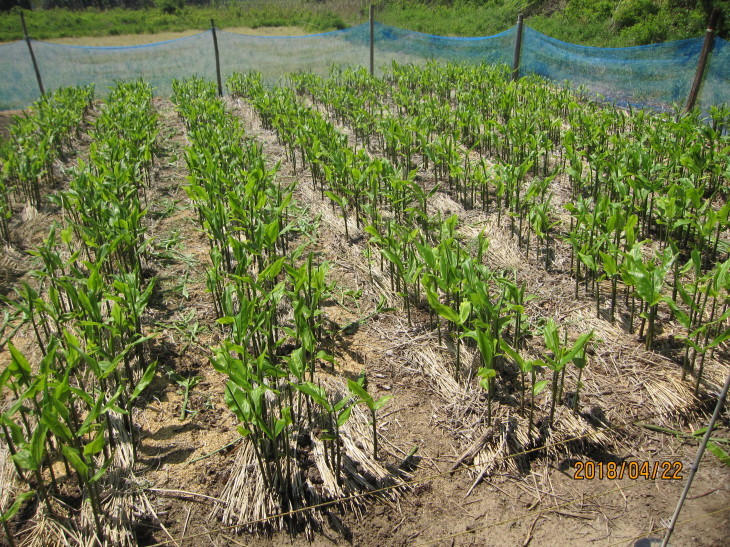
(716, 86)
(275, 56)
(656, 75)
(396, 44)
(63, 65)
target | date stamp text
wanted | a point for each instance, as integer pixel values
(662, 470)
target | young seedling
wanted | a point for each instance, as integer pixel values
(562, 354)
(186, 384)
(357, 388)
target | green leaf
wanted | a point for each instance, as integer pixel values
(271, 232)
(16, 432)
(550, 333)
(227, 320)
(681, 316)
(588, 261)
(723, 456)
(10, 513)
(100, 472)
(444, 311)
(97, 445)
(279, 427)
(372, 230)
(295, 363)
(94, 281)
(73, 457)
(539, 386)
(577, 347)
(273, 269)
(344, 416)
(516, 357)
(38, 443)
(464, 311)
(57, 428)
(719, 339)
(317, 393)
(146, 379)
(91, 417)
(359, 391)
(67, 235)
(485, 372)
(486, 344)
(19, 359)
(321, 354)
(236, 400)
(333, 197)
(580, 359)
(609, 264)
(24, 458)
(380, 403)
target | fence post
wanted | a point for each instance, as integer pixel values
(372, 42)
(217, 59)
(518, 50)
(698, 458)
(32, 55)
(707, 47)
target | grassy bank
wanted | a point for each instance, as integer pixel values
(61, 23)
(587, 22)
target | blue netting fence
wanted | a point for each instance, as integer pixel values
(657, 75)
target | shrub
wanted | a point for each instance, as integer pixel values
(630, 12)
(170, 7)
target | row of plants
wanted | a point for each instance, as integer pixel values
(268, 293)
(37, 139)
(72, 392)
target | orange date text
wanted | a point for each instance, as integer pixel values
(662, 470)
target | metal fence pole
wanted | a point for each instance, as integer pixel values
(217, 59)
(518, 50)
(698, 457)
(707, 47)
(32, 55)
(372, 42)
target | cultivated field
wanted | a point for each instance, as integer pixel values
(434, 308)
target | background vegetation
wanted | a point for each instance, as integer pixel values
(604, 23)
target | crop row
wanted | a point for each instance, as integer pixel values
(36, 140)
(73, 404)
(268, 297)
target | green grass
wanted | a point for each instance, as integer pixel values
(587, 22)
(61, 23)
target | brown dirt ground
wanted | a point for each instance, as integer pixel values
(185, 470)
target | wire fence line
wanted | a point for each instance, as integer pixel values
(657, 76)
